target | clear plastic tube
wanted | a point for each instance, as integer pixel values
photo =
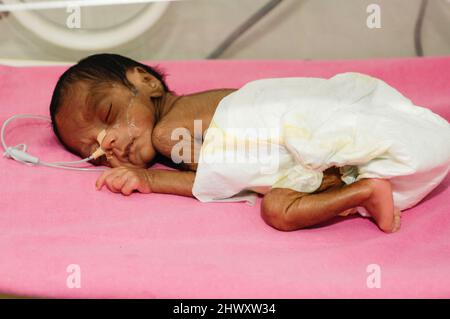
(19, 152)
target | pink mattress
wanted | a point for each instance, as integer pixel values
(167, 246)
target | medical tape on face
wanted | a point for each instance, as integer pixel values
(99, 152)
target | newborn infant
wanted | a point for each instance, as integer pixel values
(124, 112)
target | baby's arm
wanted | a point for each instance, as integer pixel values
(171, 181)
(125, 180)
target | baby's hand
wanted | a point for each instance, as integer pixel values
(125, 180)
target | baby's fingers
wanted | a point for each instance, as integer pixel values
(130, 185)
(107, 174)
(101, 180)
(115, 182)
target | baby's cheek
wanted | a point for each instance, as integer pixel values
(147, 153)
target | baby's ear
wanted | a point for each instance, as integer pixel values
(146, 81)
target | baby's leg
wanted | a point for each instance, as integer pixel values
(332, 180)
(286, 209)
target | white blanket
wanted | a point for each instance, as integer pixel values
(284, 132)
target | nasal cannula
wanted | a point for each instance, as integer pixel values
(19, 152)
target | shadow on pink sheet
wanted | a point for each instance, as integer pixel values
(167, 246)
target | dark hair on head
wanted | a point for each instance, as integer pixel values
(97, 68)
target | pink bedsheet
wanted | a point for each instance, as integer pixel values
(167, 246)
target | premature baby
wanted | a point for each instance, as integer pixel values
(125, 109)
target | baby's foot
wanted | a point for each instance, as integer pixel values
(380, 205)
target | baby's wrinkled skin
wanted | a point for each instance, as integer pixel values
(111, 107)
(138, 126)
(154, 114)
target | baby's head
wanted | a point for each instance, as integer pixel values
(112, 93)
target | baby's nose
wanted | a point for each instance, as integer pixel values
(108, 141)
(111, 144)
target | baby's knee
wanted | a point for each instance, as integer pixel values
(274, 209)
